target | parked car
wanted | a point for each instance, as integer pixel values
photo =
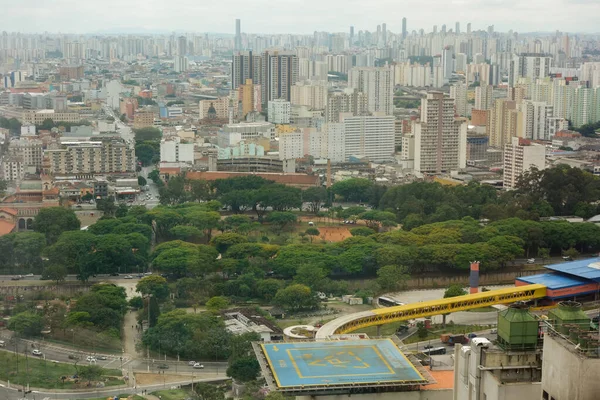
(198, 366)
(494, 331)
(16, 278)
(73, 357)
(162, 366)
(91, 358)
(103, 358)
(567, 258)
(192, 363)
(36, 353)
(114, 274)
(531, 261)
(129, 277)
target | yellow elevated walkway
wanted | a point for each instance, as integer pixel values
(380, 316)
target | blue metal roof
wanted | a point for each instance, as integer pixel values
(588, 269)
(554, 281)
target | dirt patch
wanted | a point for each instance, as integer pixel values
(144, 378)
(334, 233)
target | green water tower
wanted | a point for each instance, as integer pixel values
(569, 315)
(517, 328)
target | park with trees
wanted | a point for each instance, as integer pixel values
(246, 241)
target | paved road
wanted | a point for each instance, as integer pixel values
(13, 394)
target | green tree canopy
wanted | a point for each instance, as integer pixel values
(52, 221)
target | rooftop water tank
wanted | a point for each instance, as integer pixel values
(517, 328)
(567, 315)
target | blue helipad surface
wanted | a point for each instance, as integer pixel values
(339, 362)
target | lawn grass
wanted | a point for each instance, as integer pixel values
(44, 373)
(172, 394)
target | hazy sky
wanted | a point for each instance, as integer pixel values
(295, 16)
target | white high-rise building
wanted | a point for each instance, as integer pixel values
(180, 64)
(310, 93)
(458, 92)
(369, 136)
(335, 135)
(484, 97)
(529, 65)
(536, 119)
(173, 150)
(279, 111)
(440, 140)
(460, 62)
(520, 156)
(377, 84)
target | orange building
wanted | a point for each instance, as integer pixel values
(479, 117)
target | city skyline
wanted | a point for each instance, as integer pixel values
(37, 16)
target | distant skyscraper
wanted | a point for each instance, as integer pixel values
(435, 29)
(444, 28)
(351, 35)
(457, 28)
(469, 28)
(384, 33)
(404, 32)
(182, 46)
(238, 35)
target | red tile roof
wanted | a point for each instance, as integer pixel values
(6, 227)
(10, 211)
(286, 179)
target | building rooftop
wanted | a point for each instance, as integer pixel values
(555, 281)
(588, 269)
(337, 364)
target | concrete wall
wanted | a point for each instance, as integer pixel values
(441, 394)
(58, 289)
(567, 375)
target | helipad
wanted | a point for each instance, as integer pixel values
(339, 363)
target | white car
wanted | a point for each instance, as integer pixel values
(36, 352)
(198, 366)
(91, 358)
(531, 261)
(192, 363)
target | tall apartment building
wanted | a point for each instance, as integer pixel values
(250, 96)
(440, 139)
(279, 111)
(458, 92)
(335, 135)
(520, 156)
(529, 65)
(310, 93)
(347, 101)
(246, 65)
(478, 73)
(91, 157)
(537, 120)
(312, 69)
(143, 119)
(484, 97)
(279, 74)
(377, 84)
(13, 168)
(219, 108)
(30, 151)
(369, 136)
(502, 123)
